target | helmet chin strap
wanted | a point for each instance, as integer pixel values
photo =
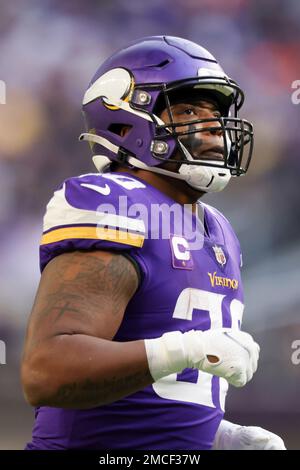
(202, 178)
(207, 179)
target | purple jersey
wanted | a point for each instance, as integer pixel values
(181, 288)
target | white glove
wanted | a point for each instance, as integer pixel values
(236, 353)
(234, 437)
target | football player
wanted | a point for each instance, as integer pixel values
(135, 332)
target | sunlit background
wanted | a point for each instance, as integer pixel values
(48, 52)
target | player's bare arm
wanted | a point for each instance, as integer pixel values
(69, 358)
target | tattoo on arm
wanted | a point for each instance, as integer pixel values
(81, 299)
(104, 392)
(87, 283)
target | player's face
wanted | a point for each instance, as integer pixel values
(204, 145)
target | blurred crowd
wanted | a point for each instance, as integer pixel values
(49, 51)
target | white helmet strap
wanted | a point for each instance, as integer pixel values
(202, 178)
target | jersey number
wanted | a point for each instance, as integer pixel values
(200, 392)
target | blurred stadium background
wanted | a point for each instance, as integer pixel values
(48, 53)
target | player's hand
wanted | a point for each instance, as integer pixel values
(231, 354)
(228, 353)
(234, 437)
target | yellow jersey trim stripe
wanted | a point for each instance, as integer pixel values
(93, 233)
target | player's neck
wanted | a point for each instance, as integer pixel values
(177, 190)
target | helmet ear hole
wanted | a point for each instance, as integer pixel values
(119, 129)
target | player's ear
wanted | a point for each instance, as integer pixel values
(124, 130)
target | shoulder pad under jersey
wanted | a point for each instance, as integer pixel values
(90, 212)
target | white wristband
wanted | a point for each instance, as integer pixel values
(166, 355)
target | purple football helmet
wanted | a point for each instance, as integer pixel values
(133, 86)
